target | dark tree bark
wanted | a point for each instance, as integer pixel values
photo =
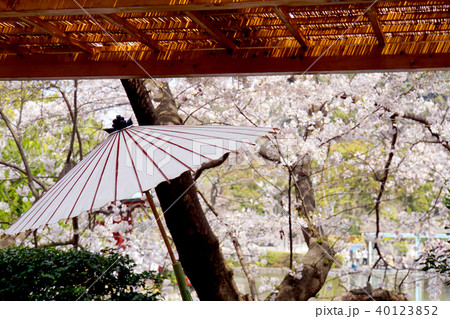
(316, 265)
(140, 101)
(197, 246)
(367, 294)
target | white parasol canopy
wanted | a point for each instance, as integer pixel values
(131, 160)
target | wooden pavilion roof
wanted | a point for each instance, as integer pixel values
(136, 38)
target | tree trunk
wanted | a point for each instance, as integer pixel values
(319, 258)
(367, 294)
(197, 246)
(316, 265)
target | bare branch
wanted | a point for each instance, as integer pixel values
(237, 247)
(427, 124)
(210, 164)
(383, 181)
(242, 112)
(385, 175)
(198, 109)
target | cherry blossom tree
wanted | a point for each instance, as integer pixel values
(355, 153)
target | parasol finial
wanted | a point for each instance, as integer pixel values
(119, 123)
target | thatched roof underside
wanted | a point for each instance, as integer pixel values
(135, 38)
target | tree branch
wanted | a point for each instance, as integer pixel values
(243, 114)
(191, 114)
(210, 164)
(17, 168)
(386, 173)
(383, 181)
(237, 247)
(427, 124)
(17, 140)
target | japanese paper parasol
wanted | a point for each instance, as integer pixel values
(133, 159)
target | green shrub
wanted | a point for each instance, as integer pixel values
(51, 274)
(278, 258)
(401, 247)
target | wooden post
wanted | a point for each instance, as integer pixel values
(160, 226)
(178, 270)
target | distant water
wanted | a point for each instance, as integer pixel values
(416, 286)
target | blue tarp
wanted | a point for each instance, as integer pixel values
(355, 247)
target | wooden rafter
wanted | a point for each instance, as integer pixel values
(372, 16)
(206, 25)
(283, 15)
(43, 66)
(133, 31)
(56, 32)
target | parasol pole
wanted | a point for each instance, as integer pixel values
(178, 270)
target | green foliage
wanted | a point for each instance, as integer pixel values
(401, 247)
(346, 117)
(51, 274)
(247, 195)
(278, 259)
(247, 192)
(354, 230)
(422, 199)
(348, 185)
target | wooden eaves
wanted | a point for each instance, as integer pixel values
(42, 39)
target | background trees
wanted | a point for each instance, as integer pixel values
(355, 153)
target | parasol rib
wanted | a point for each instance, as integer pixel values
(101, 175)
(213, 136)
(179, 146)
(58, 188)
(192, 140)
(116, 173)
(145, 153)
(134, 166)
(84, 186)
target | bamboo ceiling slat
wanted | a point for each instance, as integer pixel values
(174, 33)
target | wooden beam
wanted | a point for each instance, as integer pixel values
(221, 63)
(56, 32)
(8, 47)
(372, 16)
(27, 8)
(283, 15)
(133, 31)
(206, 25)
